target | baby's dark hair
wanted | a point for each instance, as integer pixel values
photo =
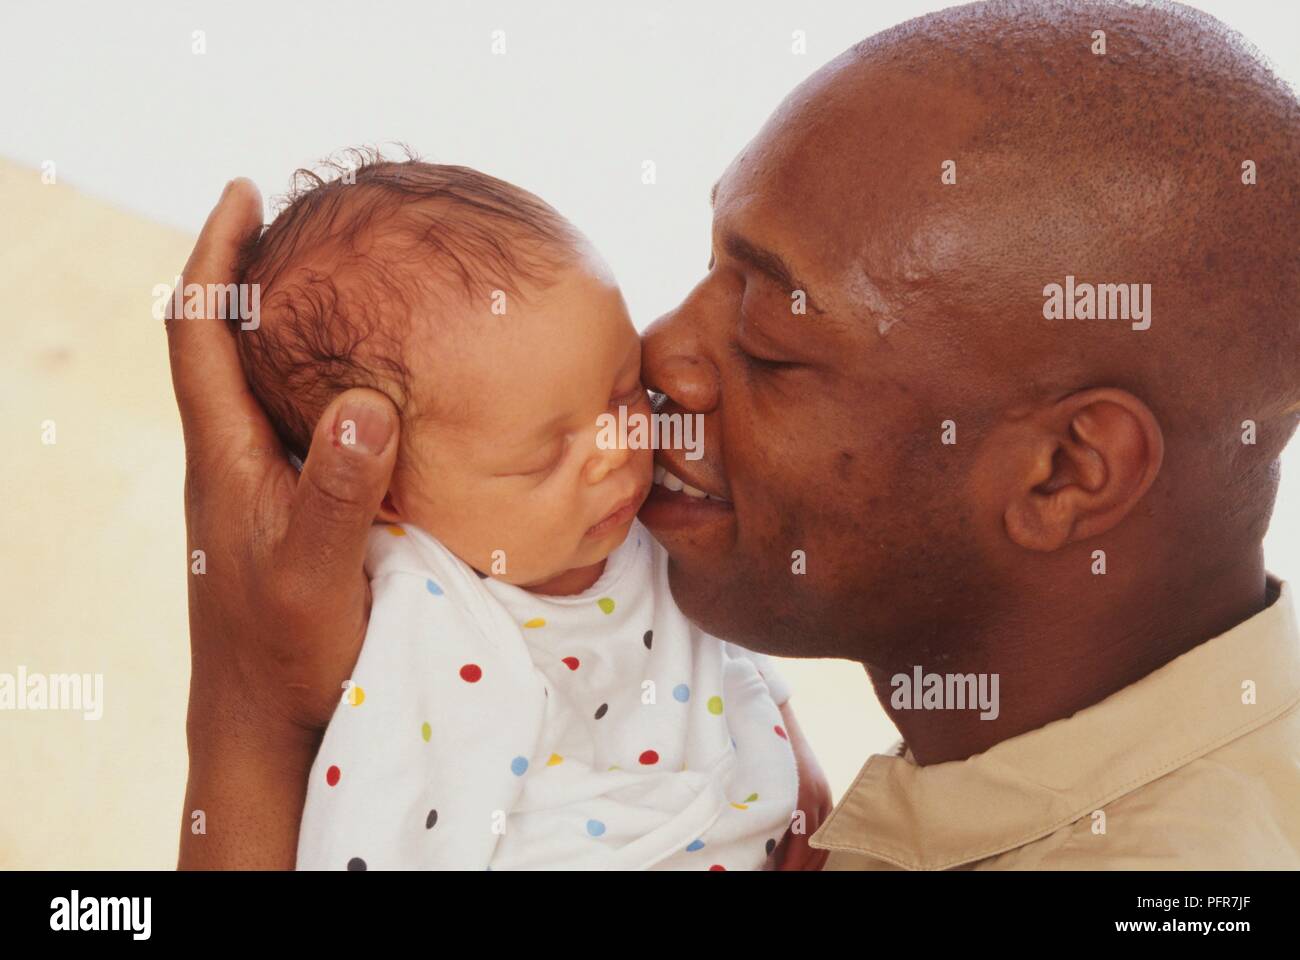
(357, 247)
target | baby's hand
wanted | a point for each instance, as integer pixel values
(814, 801)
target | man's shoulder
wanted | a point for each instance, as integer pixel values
(1234, 808)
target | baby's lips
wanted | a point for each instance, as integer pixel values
(624, 510)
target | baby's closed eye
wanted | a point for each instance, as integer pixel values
(539, 463)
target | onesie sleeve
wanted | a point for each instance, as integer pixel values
(777, 685)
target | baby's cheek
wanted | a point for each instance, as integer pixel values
(643, 463)
(526, 540)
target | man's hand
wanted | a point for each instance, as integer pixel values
(278, 615)
(814, 800)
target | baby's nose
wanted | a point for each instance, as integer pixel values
(605, 459)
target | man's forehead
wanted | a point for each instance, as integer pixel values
(848, 171)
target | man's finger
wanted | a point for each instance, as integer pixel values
(781, 855)
(211, 390)
(343, 483)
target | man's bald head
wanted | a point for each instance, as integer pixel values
(1070, 435)
(1122, 165)
(1130, 166)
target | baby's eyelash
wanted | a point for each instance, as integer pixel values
(550, 465)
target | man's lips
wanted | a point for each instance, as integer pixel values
(674, 479)
(688, 507)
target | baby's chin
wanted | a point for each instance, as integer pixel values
(586, 564)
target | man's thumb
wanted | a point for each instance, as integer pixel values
(343, 482)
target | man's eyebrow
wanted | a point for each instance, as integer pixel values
(769, 264)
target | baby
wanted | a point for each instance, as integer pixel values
(528, 695)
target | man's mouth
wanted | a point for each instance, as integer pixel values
(676, 504)
(670, 481)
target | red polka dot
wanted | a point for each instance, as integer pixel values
(332, 776)
(717, 866)
(780, 733)
(571, 662)
(649, 757)
(471, 673)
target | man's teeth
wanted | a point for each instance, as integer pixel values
(675, 483)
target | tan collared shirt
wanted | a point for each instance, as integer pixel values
(1195, 766)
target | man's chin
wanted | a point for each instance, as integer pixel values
(702, 597)
(705, 596)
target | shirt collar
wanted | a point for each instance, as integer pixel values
(1026, 787)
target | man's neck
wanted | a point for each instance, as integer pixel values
(1054, 658)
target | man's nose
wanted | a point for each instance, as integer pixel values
(672, 364)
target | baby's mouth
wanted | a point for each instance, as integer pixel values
(620, 515)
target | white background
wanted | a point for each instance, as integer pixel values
(586, 92)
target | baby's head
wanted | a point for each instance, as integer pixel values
(497, 331)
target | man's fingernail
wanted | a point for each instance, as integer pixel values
(364, 428)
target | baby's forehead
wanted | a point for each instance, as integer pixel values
(525, 357)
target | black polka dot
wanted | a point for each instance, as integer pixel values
(431, 819)
(648, 639)
(602, 710)
(356, 863)
(771, 845)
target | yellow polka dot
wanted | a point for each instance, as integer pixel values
(715, 705)
(740, 806)
(426, 731)
(555, 759)
(535, 622)
(606, 604)
(396, 530)
(356, 695)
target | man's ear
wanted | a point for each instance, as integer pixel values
(388, 511)
(1082, 464)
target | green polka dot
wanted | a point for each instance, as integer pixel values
(751, 798)
(426, 731)
(606, 604)
(715, 705)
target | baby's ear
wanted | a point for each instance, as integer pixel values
(387, 511)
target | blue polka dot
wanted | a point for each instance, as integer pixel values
(518, 765)
(697, 845)
(595, 828)
(433, 588)
(681, 693)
